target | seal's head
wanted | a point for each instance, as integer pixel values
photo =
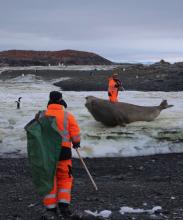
(164, 104)
(89, 98)
(89, 101)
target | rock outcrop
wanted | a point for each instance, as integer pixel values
(155, 77)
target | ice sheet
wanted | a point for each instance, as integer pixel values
(164, 135)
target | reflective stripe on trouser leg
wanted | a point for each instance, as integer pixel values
(50, 200)
(64, 194)
(64, 181)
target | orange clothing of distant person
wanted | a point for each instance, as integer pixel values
(70, 131)
(113, 89)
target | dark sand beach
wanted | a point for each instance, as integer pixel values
(137, 182)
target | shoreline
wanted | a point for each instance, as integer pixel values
(135, 77)
(137, 182)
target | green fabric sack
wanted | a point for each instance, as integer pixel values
(43, 147)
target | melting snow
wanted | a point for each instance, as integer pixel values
(104, 213)
(126, 209)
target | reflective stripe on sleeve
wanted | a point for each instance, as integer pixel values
(65, 120)
(64, 133)
(66, 139)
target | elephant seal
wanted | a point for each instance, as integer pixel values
(120, 113)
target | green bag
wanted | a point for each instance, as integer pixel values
(43, 147)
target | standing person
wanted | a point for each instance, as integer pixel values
(114, 86)
(60, 195)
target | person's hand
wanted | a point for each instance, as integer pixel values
(76, 145)
(37, 116)
(122, 88)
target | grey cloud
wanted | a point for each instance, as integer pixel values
(113, 29)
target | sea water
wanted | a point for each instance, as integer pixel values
(163, 135)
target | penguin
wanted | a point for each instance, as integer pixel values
(18, 102)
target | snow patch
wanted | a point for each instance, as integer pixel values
(60, 79)
(126, 209)
(60, 67)
(29, 78)
(104, 213)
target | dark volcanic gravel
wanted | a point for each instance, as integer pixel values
(138, 182)
(135, 77)
(156, 77)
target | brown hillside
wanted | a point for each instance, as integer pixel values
(28, 57)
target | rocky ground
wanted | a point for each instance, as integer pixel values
(156, 77)
(138, 182)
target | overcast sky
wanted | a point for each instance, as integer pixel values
(120, 30)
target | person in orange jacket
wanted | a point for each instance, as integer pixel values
(60, 195)
(114, 86)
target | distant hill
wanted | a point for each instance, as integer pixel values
(44, 58)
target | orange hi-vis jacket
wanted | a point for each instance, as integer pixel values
(113, 90)
(70, 132)
(66, 123)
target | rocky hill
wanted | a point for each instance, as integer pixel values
(44, 58)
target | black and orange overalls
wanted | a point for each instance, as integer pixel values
(70, 131)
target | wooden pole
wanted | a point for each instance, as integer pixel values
(91, 178)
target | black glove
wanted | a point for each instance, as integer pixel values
(76, 145)
(109, 94)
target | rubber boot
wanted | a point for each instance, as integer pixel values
(50, 214)
(65, 210)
